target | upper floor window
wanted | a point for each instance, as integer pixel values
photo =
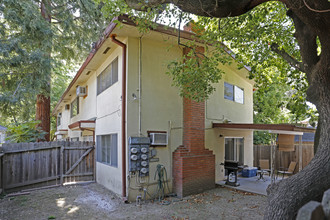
(233, 93)
(108, 77)
(58, 120)
(75, 107)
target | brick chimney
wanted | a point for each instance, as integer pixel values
(193, 165)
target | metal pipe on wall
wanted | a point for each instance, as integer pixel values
(123, 114)
(140, 86)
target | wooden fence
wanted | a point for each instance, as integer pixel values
(45, 163)
(282, 158)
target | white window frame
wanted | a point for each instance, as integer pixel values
(107, 77)
(107, 149)
(238, 93)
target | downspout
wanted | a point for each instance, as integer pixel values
(123, 115)
(140, 85)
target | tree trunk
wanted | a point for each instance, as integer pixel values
(286, 197)
(43, 99)
(43, 113)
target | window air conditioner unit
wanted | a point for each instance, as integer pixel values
(158, 138)
(81, 91)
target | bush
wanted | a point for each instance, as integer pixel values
(25, 132)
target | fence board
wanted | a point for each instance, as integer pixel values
(44, 164)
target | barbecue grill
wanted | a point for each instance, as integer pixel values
(232, 168)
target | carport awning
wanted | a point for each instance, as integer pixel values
(272, 128)
(82, 125)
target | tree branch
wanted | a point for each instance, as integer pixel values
(307, 42)
(292, 61)
(210, 8)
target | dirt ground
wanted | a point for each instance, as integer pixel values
(92, 201)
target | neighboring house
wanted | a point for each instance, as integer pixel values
(2, 134)
(122, 91)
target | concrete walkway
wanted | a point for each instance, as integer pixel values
(251, 184)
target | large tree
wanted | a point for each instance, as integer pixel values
(311, 21)
(39, 40)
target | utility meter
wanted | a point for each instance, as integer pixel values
(138, 155)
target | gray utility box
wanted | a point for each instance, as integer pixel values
(139, 155)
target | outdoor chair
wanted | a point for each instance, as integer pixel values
(289, 171)
(263, 169)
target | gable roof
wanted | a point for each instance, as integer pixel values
(124, 19)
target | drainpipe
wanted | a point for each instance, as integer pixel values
(123, 115)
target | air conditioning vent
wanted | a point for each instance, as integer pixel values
(81, 91)
(158, 138)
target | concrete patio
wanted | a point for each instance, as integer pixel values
(251, 184)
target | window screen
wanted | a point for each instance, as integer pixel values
(233, 93)
(229, 91)
(75, 107)
(239, 95)
(107, 149)
(108, 77)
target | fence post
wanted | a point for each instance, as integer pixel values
(2, 189)
(300, 153)
(61, 163)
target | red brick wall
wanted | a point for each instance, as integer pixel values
(193, 125)
(193, 165)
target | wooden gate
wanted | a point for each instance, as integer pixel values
(29, 165)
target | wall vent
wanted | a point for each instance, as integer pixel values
(106, 50)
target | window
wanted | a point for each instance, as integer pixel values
(75, 139)
(233, 93)
(229, 91)
(234, 149)
(108, 77)
(75, 107)
(107, 148)
(58, 120)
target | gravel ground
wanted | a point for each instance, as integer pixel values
(93, 201)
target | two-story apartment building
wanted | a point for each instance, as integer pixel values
(121, 91)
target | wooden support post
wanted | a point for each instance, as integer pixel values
(2, 182)
(300, 153)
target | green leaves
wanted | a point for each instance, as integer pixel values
(195, 73)
(33, 50)
(25, 132)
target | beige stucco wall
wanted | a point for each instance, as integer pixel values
(219, 109)
(108, 111)
(161, 106)
(214, 142)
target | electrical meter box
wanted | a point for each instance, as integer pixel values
(139, 155)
